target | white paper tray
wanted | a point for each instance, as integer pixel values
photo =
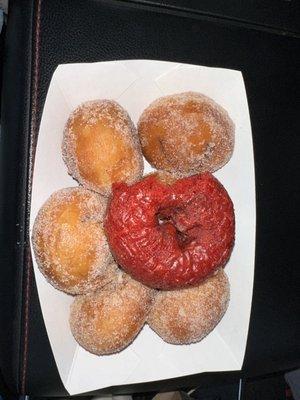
(134, 84)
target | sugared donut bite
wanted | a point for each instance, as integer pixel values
(69, 242)
(171, 235)
(100, 146)
(186, 133)
(107, 321)
(188, 315)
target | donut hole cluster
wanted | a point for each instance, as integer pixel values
(139, 250)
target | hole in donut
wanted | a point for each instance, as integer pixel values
(183, 238)
(162, 219)
(166, 215)
(166, 219)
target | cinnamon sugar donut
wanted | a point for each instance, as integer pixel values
(186, 133)
(69, 243)
(108, 320)
(188, 315)
(101, 146)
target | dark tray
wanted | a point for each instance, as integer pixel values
(46, 33)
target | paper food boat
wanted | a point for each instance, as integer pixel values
(135, 84)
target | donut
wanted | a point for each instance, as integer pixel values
(186, 133)
(107, 321)
(170, 235)
(70, 247)
(186, 316)
(100, 146)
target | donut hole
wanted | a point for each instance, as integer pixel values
(100, 146)
(188, 315)
(103, 154)
(187, 221)
(69, 242)
(108, 320)
(186, 133)
(166, 218)
(163, 218)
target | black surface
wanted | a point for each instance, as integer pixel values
(215, 392)
(280, 15)
(87, 30)
(265, 388)
(13, 186)
(5, 393)
(3, 388)
(2, 35)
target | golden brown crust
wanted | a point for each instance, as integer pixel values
(186, 133)
(188, 315)
(165, 177)
(69, 242)
(107, 321)
(100, 146)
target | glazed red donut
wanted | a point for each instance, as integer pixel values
(170, 235)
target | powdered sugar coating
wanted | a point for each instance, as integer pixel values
(108, 320)
(100, 146)
(70, 247)
(186, 316)
(186, 133)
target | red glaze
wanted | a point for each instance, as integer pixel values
(173, 236)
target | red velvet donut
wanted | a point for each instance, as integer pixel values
(173, 235)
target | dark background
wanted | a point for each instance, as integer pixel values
(261, 39)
